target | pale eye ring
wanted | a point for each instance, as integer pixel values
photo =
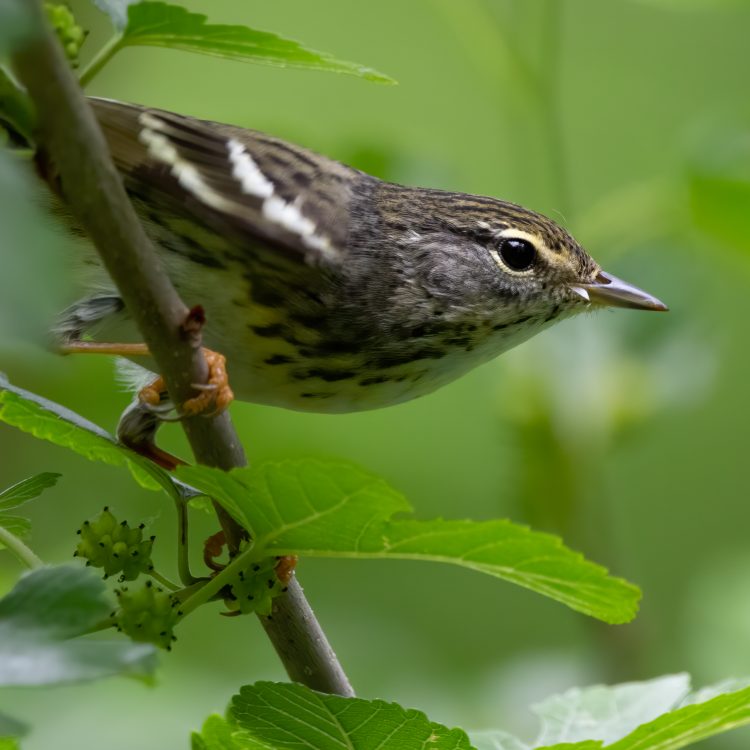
(517, 253)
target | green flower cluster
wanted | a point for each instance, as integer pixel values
(70, 34)
(255, 589)
(147, 613)
(115, 547)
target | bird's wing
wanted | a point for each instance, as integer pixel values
(262, 191)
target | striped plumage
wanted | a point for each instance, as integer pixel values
(328, 289)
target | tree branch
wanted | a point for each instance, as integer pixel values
(68, 134)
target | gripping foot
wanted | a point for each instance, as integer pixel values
(214, 397)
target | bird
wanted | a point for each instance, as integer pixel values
(327, 289)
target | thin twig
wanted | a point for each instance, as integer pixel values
(69, 136)
(164, 581)
(100, 59)
(183, 559)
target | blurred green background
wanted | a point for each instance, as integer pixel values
(626, 432)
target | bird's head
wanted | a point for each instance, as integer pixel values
(501, 263)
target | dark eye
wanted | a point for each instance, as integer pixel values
(517, 254)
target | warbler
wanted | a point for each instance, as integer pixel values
(327, 289)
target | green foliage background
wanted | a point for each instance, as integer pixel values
(625, 432)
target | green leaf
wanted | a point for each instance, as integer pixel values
(16, 525)
(49, 421)
(20, 493)
(27, 489)
(9, 743)
(290, 716)
(335, 509)
(157, 24)
(608, 713)
(658, 714)
(217, 734)
(690, 724)
(45, 609)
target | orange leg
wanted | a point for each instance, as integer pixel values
(285, 568)
(94, 347)
(214, 397)
(212, 548)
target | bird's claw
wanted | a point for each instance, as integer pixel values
(213, 398)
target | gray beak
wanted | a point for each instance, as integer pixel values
(613, 292)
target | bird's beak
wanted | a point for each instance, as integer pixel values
(610, 291)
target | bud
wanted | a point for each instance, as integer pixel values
(70, 34)
(148, 614)
(115, 546)
(254, 589)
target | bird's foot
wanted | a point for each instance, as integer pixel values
(213, 398)
(141, 420)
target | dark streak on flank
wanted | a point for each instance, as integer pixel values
(386, 361)
(279, 359)
(308, 321)
(269, 332)
(376, 380)
(329, 376)
(338, 346)
(265, 294)
(316, 395)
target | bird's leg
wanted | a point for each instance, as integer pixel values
(212, 548)
(137, 430)
(97, 347)
(214, 397)
(140, 421)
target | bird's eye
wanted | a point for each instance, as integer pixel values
(517, 254)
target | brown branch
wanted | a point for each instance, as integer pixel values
(68, 134)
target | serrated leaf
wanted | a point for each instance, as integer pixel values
(16, 525)
(45, 609)
(607, 713)
(335, 509)
(659, 714)
(216, 734)
(49, 421)
(289, 716)
(27, 489)
(690, 724)
(158, 24)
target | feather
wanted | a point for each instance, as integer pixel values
(242, 183)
